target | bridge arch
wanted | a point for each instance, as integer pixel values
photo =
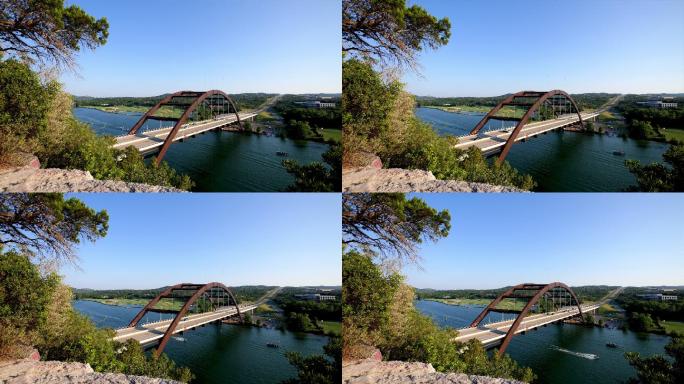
(540, 291)
(190, 101)
(532, 107)
(198, 291)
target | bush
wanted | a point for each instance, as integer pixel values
(378, 311)
(378, 118)
(36, 118)
(35, 311)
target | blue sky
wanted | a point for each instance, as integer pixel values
(580, 239)
(501, 46)
(238, 239)
(235, 45)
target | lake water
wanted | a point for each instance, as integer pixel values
(561, 161)
(554, 352)
(219, 161)
(229, 354)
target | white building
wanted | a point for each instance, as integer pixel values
(657, 104)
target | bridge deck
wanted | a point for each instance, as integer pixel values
(492, 334)
(493, 141)
(150, 332)
(150, 141)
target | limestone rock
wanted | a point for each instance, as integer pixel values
(371, 179)
(400, 372)
(58, 372)
(30, 179)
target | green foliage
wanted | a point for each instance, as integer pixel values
(583, 101)
(47, 226)
(366, 298)
(306, 123)
(657, 177)
(642, 130)
(389, 31)
(666, 310)
(300, 322)
(658, 369)
(23, 110)
(24, 296)
(46, 30)
(318, 310)
(242, 294)
(390, 225)
(318, 369)
(36, 118)
(378, 118)
(242, 101)
(641, 322)
(38, 310)
(316, 176)
(378, 311)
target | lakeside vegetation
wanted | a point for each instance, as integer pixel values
(243, 294)
(311, 316)
(37, 233)
(586, 294)
(36, 114)
(243, 102)
(648, 123)
(648, 315)
(381, 233)
(585, 102)
(378, 113)
(307, 123)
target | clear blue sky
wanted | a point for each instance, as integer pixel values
(235, 45)
(580, 239)
(238, 239)
(502, 46)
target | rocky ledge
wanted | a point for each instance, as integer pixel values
(30, 179)
(371, 371)
(58, 372)
(372, 179)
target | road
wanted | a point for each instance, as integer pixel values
(491, 334)
(151, 332)
(151, 141)
(492, 142)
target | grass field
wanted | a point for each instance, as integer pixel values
(673, 134)
(505, 304)
(505, 111)
(162, 112)
(334, 327)
(607, 116)
(607, 309)
(264, 308)
(332, 134)
(673, 326)
(162, 304)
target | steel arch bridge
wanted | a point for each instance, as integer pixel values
(553, 299)
(552, 103)
(215, 297)
(203, 105)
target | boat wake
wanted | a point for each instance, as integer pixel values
(588, 356)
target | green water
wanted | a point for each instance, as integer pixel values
(219, 161)
(561, 354)
(561, 161)
(228, 354)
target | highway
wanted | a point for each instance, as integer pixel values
(151, 141)
(492, 142)
(491, 334)
(150, 332)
